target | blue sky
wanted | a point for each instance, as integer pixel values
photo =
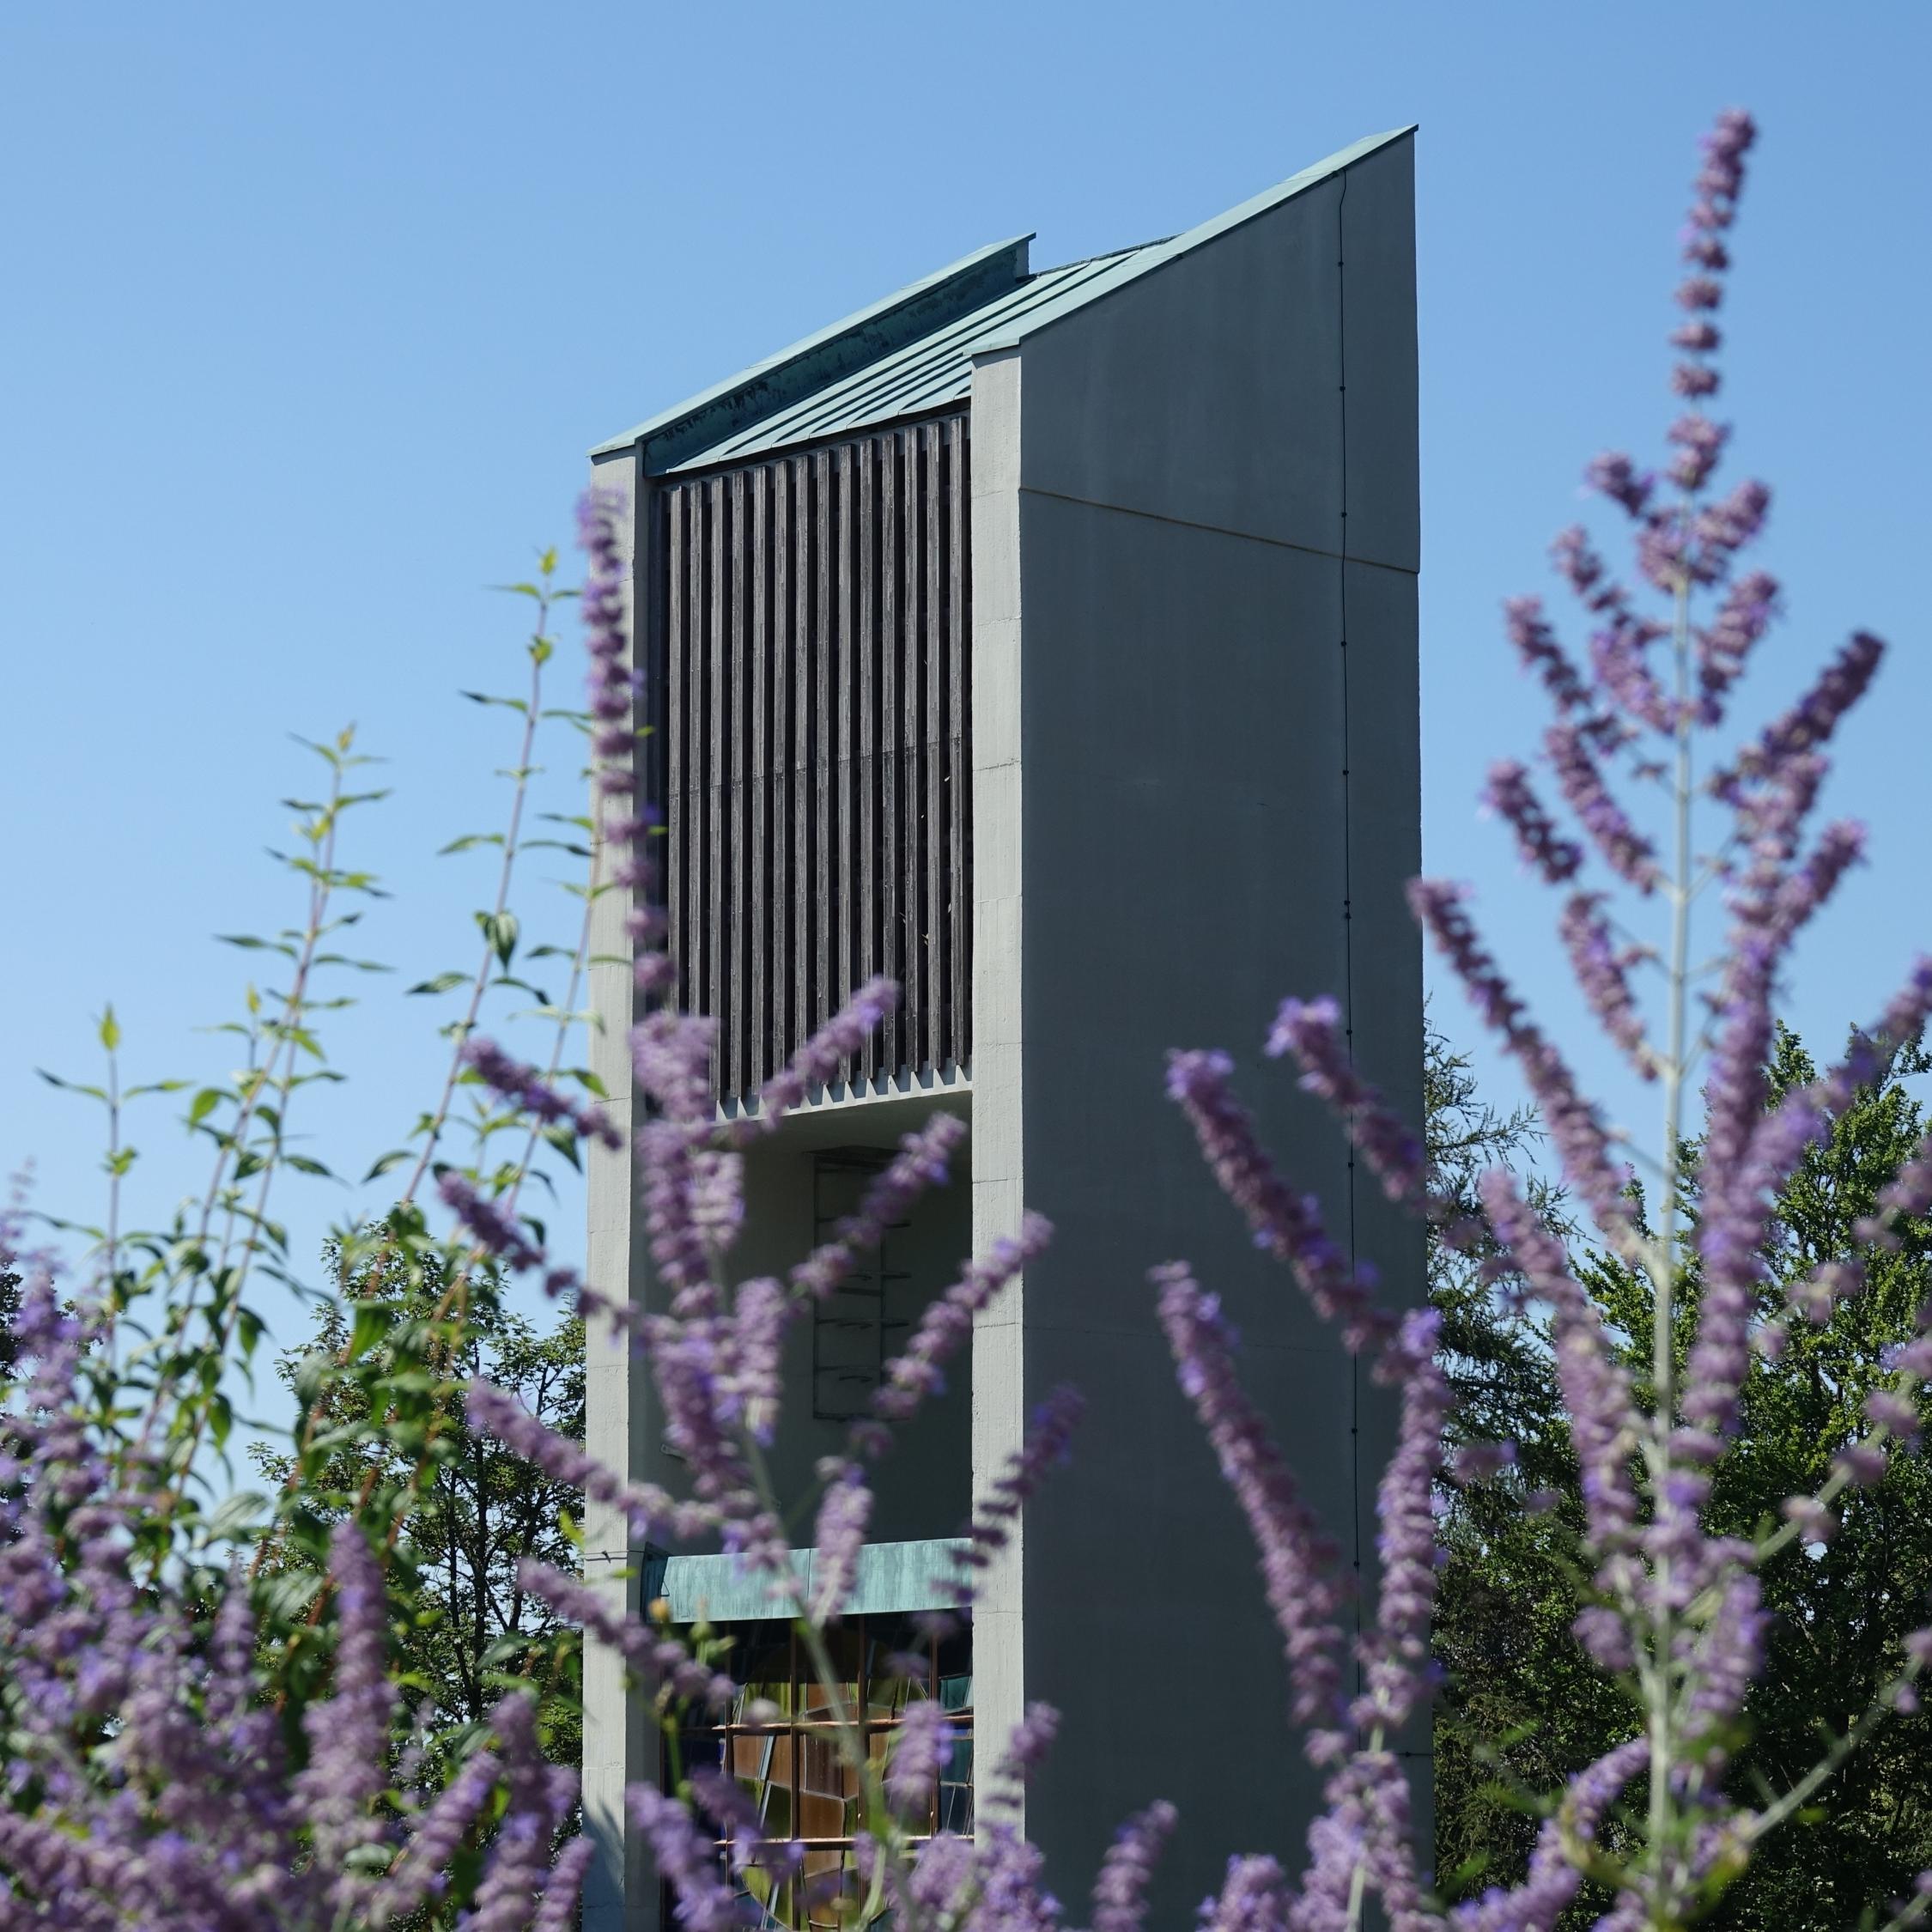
(313, 313)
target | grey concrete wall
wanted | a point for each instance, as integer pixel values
(1210, 791)
(923, 1487)
(619, 1744)
(999, 1381)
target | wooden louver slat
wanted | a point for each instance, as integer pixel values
(813, 618)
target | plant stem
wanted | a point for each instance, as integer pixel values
(480, 984)
(1663, 1366)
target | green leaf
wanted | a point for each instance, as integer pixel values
(470, 840)
(235, 1513)
(306, 1164)
(249, 1330)
(500, 934)
(373, 1320)
(395, 1158)
(203, 1104)
(442, 983)
(71, 1087)
(110, 1029)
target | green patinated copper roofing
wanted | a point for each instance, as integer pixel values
(780, 380)
(913, 352)
(892, 1579)
(926, 374)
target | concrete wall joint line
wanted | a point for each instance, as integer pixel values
(1343, 561)
(1339, 555)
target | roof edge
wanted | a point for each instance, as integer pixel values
(826, 355)
(1144, 261)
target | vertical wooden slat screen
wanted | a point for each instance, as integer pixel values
(812, 621)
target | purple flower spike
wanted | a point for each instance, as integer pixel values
(1724, 644)
(1298, 1562)
(1727, 1657)
(839, 1537)
(922, 1163)
(650, 1511)
(1572, 1123)
(1312, 1030)
(1595, 1389)
(348, 1736)
(1700, 443)
(558, 1911)
(1860, 1464)
(626, 833)
(1894, 1413)
(1613, 474)
(684, 1858)
(1028, 1745)
(528, 1089)
(947, 1324)
(1048, 1443)
(1620, 648)
(1396, 1650)
(1816, 1522)
(919, 1753)
(1253, 1897)
(654, 1654)
(1481, 1463)
(1511, 794)
(1811, 722)
(500, 1237)
(1537, 1903)
(1536, 643)
(818, 1061)
(1725, 527)
(1288, 1225)
(1627, 851)
(1602, 970)
(1119, 1893)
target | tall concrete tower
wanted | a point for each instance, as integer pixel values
(1047, 641)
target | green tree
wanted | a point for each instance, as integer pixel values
(1507, 1591)
(467, 1510)
(1522, 1707)
(10, 1312)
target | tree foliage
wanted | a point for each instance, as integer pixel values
(1523, 1708)
(469, 1631)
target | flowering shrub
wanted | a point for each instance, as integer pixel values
(198, 1734)
(183, 1750)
